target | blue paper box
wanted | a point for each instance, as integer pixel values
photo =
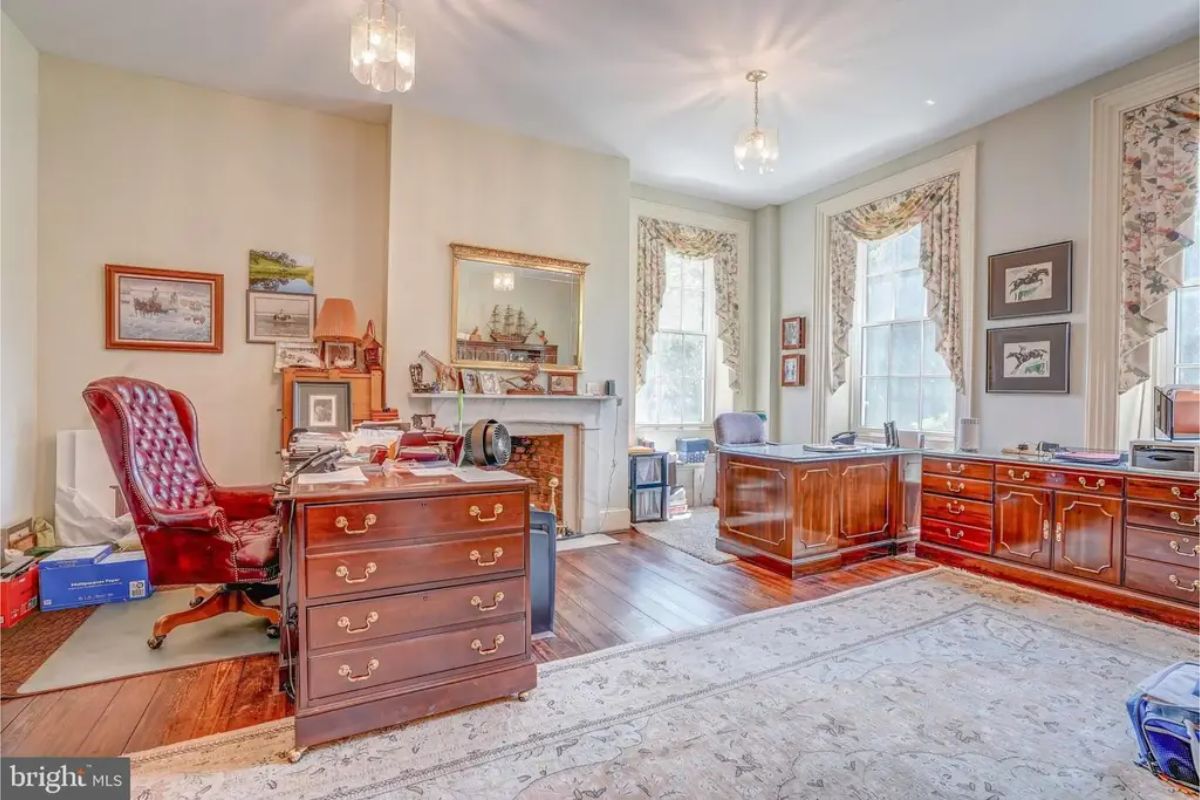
(113, 578)
(75, 556)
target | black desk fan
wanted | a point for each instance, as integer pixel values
(487, 445)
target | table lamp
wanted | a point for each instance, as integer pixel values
(337, 331)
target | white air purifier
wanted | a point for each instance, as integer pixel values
(968, 434)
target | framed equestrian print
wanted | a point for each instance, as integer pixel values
(1032, 359)
(163, 309)
(1030, 283)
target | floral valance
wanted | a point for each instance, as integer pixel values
(655, 237)
(935, 206)
(1158, 197)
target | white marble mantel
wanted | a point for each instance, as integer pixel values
(599, 448)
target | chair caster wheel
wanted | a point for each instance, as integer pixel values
(273, 631)
(523, 696)
(155, 642)
(195, 601)
(295, 754)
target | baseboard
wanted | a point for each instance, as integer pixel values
(615, 520)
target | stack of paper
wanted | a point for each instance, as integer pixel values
(348, 475)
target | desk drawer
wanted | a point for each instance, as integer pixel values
(389, 520)
(359, 621)
(957, 468)
(1185, 519)
(1164, 580)
(396, 567)
(1164, 491)
(1071, 480)
(958, 487)
(957, 511)
(373, 666)
(952, 534)
(1170, 548)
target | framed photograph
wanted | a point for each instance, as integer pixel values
(794, 333)
(1030, 358)
(562, 382)
(163, 309)
(1030, 283)
(791, 370)
(470, 381)
(279, 272)
(489, 383)
(340, 355)
(274, 317)
(321, 405)
(297, 354)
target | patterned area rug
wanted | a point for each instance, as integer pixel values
(939, 684)
(27, 645)
(696, 536)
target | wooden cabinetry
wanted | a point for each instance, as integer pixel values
(815, 508)
(366, 394)
(865, 508)
(1023, 524)
(1087, 536)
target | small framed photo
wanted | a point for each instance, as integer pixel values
(1030, 283)
(791, 370)
(794, 333)
(297, 354)
(340, 355)
(278, 317)
(489, 383)
(1030, 358)
(321, 405)
(163, 309)
(469, 379)
(562, 382)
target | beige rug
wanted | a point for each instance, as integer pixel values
(112, 643)
(935, 685)
(696, 535)
(584, 542)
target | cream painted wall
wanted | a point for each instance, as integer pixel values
(457, 182)
(1034, 187)
(18, 272)
(139, 170)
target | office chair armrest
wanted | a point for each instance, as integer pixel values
(245, 502)
(205, 518)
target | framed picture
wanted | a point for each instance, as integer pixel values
(489, 383)
(279, 272)
(1031, 358)
(321, 405)
(1029, 283)
(794, 333)
(791, 370)
(274, 317)
(562, 382)
(297, 354)
(340, 355)
(163, 309)
(470, 381)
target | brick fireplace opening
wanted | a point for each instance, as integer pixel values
(541, 457)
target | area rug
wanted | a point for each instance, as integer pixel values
(584, 542)
(111, 643)
(696, 535)
(27, 645)
(939, 684)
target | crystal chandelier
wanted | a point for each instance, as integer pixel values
(383, 52)
(757, 148)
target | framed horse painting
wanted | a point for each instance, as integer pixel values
(163, 309)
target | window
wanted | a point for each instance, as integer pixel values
(899, 376)
(1183, 339)
(678, 389)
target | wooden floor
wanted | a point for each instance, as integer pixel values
(609, 595)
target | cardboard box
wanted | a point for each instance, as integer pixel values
(18, 595)
(113, 578)
(76, 556)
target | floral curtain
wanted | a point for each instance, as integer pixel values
(1158, 197)
(935, 206)
(655, 237)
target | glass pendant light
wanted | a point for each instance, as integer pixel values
(756, 148)
(383, 51)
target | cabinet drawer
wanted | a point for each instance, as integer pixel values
(957, 511)
(388, 520)
(1164, 580)
(1071, 480)
(359, 621)
(952, 534)
(395, 567)
(1171, 548)
(958, 487)
(373, 666)
(957, 468)
(1168, 491)
(1185, 519)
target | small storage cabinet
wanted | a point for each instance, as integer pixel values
(648, 487)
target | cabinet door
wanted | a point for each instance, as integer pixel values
(1022, 524)
(754, 506)
(816, 515)
(1087, 536)
(865, 508)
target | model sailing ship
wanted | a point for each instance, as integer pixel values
(509, 327)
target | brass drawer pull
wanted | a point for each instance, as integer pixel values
(1178, 584)
(950, 468)
(344, 623)
(954, 535)
(1058, 531)
(497, 640)
(372, 665)
(497, 510)
(1175, 547)
(496, 553)
(1046, 529)
(1024, 475)
(343, 572)
(1193, 524)
(497, 599)
(1099, 484)
(955, 508)
(343, 523)
(1175, 490)
(954, 488)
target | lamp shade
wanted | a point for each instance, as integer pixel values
(337, 321)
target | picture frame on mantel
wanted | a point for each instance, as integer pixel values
(1034, 282)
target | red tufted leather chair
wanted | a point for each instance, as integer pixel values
(194, 532)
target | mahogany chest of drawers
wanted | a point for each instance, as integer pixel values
(404, 597)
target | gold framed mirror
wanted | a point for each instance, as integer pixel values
(509, 310)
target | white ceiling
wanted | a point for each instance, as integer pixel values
(658, 81)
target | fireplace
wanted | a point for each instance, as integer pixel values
(542, 459)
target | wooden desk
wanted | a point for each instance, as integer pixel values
(404, 597)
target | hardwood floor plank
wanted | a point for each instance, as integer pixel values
(111, 733)
(10, 709)
(623, 618)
